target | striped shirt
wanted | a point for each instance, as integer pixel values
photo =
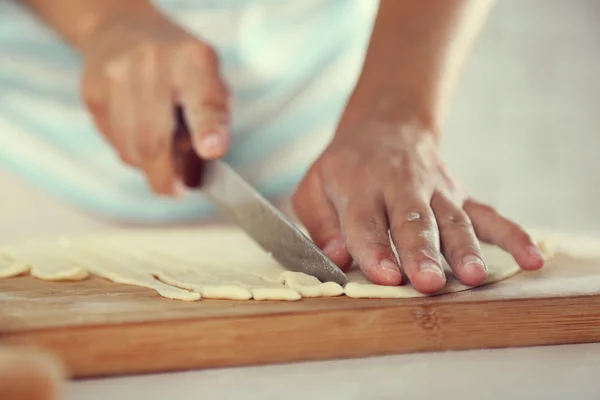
(290, 66)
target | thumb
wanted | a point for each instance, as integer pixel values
(318, 215)
(205, 101)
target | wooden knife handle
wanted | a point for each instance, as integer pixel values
(188, 165)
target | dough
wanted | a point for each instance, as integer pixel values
(211, 263)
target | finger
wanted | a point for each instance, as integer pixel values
(96, 102)
(318, 215)
(121, 113)
(101, 118)
(415, 234)
(365, 231)
(493, 228)
(29, 374)
(154, 115)
(459, 243)
(205, 100)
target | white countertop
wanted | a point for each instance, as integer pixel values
(556, 372)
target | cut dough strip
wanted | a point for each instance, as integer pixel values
(309, 286)
(9, 267)
(128, 272)
(47, 263)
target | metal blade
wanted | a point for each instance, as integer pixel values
(264, 223)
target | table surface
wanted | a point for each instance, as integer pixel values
(555, 372)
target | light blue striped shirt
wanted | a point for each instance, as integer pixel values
(290, 66)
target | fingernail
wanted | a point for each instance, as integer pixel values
(213, 143)
(431, 267)
(535, 252)
(388, 265)
(210, 144)
(473, 264)
(331, 247)
(180, 188)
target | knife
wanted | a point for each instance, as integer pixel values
(239, 202)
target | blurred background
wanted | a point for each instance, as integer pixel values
(524, 130)
(523, 134)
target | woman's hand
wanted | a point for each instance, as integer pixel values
(380, 174)
(138, 69)
(29, 374)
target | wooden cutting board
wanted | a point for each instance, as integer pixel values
(100, 328)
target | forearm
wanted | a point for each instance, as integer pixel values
(417, 51)
(77, 20)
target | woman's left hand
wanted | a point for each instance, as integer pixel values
(30, 374)
(381, 174)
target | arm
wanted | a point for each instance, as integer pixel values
(139, 67)
(417, 51)
(78, 20)
(383, 172)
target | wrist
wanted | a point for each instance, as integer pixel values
(395, 107)
(98, 21)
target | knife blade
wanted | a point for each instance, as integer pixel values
(240, 203)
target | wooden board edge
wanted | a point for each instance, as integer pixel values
(166, 346)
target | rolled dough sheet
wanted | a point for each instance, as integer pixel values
(211, 263)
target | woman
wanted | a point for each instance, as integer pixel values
(278, 89)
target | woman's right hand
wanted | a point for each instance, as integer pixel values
(138, 69)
